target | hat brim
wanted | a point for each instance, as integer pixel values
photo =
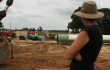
(89, 16)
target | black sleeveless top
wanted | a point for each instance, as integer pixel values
(90, 51)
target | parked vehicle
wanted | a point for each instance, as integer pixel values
(6, 32)
(13, 34)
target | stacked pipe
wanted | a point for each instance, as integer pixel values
(71, 38)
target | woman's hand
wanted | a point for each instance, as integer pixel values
(78, 57)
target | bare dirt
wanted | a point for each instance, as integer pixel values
(47, 55)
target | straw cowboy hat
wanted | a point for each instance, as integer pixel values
(89, 11)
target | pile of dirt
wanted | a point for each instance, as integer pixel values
(57, 48)
(39, 47)
(47, 55)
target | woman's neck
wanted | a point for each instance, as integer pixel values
(90, 23)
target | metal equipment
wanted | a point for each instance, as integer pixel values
(5, 43)
(8, 4)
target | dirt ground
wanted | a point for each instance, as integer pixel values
(47, 55)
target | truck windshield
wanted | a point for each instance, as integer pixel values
(3, 29)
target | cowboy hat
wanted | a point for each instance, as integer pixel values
(89, 11)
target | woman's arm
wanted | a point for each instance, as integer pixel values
(77, 45)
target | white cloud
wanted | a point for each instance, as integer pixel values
(49, 14)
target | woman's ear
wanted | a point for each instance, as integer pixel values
(82, 20)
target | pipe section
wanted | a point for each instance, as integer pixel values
(31, 36)
(71, 38)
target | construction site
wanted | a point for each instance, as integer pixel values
(42, 50)
(31, 54)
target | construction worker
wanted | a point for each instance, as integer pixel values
(47, 36)
(36, 34)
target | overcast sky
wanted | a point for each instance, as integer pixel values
(49, 14)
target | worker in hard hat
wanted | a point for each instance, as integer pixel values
(36, 34)
(47, 36)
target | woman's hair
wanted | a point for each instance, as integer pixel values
(91, 19)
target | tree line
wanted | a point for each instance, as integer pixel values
(33, 29)
(25, 29)
(104, 22)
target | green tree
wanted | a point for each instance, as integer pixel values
(39, 29)
(104, 22)
(32, 29)
(76, 22)
(25, 29)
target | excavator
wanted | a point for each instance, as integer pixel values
(6, 49)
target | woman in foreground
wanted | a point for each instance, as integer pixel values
(85, 49)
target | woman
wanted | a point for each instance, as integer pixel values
(85, 49)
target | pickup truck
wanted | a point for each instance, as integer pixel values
(6, 32)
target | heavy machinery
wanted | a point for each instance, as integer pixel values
(6, 32)
(5, 42)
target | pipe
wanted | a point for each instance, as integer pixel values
(65, 38)
(106, 38)
(71, 38)
(31, 36)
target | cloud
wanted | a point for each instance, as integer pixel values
(49, 14)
